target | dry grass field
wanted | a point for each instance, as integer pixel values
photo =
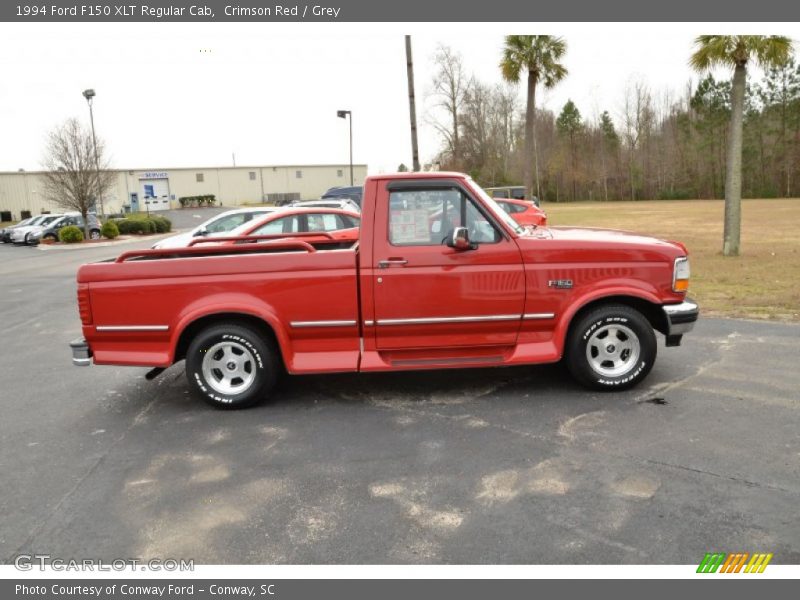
(762, 283)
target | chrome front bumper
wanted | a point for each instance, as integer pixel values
(81, 353)
(681, 317)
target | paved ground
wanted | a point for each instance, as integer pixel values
(480, 466)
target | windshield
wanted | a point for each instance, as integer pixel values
(498, 211)
(49, 219)
(36, 220)
(226, 223)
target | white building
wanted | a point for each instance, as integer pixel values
(160, 189)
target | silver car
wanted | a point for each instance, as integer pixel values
(217, 226)
(24, 235)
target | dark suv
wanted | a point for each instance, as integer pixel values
(353, 192)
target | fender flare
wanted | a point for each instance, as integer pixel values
(227, 303)
(566, 319)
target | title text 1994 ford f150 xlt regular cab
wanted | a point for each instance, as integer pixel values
(441, 277)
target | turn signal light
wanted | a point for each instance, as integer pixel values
(680, 275)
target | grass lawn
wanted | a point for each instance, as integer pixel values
(762, 283)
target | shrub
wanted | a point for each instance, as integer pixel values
(109, 230)
(204, 200)
(71, 234)
(143, 224)
(162, 224)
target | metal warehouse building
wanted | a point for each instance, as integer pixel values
(160, 189)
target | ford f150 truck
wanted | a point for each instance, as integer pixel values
(440, 277)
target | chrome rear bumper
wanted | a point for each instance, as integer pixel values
(81, 353)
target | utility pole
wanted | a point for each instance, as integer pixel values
(89, 95)
(412, 104)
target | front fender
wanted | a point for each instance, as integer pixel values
(614, 290)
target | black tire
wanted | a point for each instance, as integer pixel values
(611, 348)
(27, 239)
(94, 234)
(50, 238)
(217, 381)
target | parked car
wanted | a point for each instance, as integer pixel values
(513, 192)
(354, 193)
(523, 212)
(341, 203)
(342, 225)
(23, 235)
(216, 226)
(5, 232)
(49, 232)
(411, 293)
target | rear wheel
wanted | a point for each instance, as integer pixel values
(94, 234)
(611, 348)
(231, 366)
(49, 238)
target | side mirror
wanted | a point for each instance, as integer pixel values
(200, 232)
(459, 239)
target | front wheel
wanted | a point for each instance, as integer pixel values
(611, 348)
(231, 366)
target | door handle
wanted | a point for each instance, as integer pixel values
(392, 262)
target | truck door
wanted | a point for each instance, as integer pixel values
(428, 295)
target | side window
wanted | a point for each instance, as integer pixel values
(426, 217)
(350, 222)
(325, 222)
(285, 225)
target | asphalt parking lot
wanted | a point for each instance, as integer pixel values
(481, 466)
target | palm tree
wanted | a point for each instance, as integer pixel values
(737, 51)
(539, 56)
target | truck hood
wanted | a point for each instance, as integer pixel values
(610, 239)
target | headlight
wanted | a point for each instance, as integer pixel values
(680, 275)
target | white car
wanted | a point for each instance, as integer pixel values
(217, 226)
(342, 203)
(22, 235)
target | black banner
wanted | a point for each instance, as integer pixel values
(335, 589)
(407, 11)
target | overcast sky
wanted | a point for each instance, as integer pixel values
(172, 95)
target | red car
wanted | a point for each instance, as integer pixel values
(330, 223)
(523, 212)
(469, 288)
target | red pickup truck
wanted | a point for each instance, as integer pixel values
(441, 277)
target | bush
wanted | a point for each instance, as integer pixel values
(109, 230)
(204, 200)
(71, 234)
(143, 224)
(162, 224)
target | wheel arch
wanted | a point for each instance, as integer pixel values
(256, 322)
(648, 307)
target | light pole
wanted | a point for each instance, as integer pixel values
(343, 114)
(89, 95)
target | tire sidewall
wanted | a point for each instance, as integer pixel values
(263, 354)
(581, 368)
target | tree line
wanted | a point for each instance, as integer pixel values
(656, 144)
